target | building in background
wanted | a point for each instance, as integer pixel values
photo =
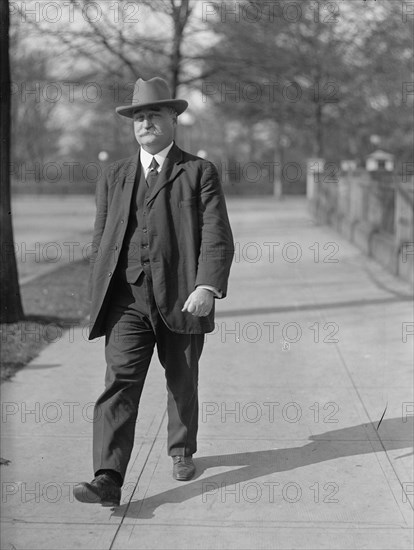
(379, 160)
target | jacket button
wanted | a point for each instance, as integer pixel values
(110, 274)
(144, 230)
(122, 221)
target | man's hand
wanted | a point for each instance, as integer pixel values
(199, 303)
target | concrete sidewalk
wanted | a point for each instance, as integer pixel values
(311, 347)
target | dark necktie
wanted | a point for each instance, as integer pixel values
(152, 175)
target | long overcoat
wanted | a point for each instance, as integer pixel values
(190, 239)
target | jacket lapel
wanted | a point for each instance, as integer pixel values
(130, 170)
(170, 170)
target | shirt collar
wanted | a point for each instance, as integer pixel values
(146, 158)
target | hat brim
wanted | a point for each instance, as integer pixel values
(180, 105)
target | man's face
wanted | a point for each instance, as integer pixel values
(154, 128)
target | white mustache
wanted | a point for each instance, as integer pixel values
(154, 133)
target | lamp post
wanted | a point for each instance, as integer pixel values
(103, 156)
(375, 139)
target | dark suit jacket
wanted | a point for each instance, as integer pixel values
(190, 240)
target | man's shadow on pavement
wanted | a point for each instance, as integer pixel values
(392, 434)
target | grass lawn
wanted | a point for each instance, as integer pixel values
(50, 303)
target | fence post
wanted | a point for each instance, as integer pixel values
(314, 172)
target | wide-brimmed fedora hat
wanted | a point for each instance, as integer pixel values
(148, 93)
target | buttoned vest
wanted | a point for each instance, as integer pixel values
(134, 255)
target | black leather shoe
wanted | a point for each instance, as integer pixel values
(101, 490)
(183, 468)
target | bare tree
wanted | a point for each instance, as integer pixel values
(11, 305)
(137, 48)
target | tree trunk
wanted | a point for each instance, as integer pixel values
(180, 16)
(319, 131)
(11, 309)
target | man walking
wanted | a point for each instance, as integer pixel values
(162, 253)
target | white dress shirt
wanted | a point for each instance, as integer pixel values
(146, 159)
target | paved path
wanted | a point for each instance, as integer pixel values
(310, 348)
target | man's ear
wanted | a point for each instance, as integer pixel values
(174, 115)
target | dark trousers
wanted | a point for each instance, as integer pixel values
(133, 327)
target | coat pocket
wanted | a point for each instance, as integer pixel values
(188, 202)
